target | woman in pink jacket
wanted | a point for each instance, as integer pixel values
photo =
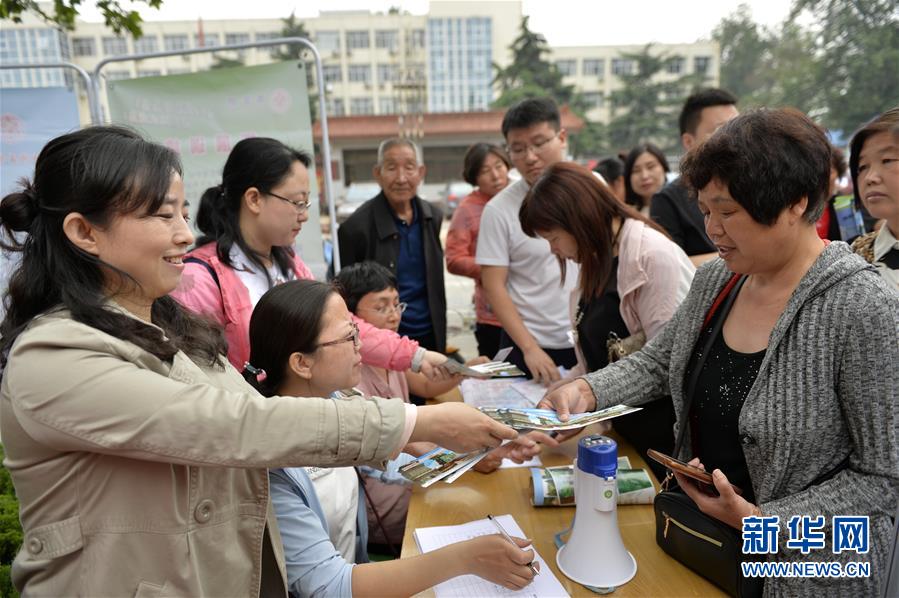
(486, 166)
(249, 224)
(632, 279)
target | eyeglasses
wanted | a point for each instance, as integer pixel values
(517, 151)
(352, 336)
(385, 310)
(300, 206)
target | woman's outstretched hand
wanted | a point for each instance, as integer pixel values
(574, 397)
(459, 427)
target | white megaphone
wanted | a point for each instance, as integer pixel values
(595, 555)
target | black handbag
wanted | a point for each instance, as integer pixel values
(706, 545)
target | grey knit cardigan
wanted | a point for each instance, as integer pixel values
(828, 387)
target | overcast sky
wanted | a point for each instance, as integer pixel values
(563, 22)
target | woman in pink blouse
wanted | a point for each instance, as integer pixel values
(486, 166)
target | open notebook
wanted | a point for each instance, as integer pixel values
(545, 585)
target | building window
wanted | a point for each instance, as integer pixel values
(232, 39)
(593, 99)
(360, 106)
(149, 73)
(332, 73)
(115, 46)
(388, 73)
(416, 39)
(117, 75)
(622, 66)
(208, 40)
(336, 107)
(146, 45)
(328, 41)
(675, 66)
(387, 105)
(177, 71)
(701, 64)
(387, 38)
(567, 68)
(359, 73)
(357, 39)
(84, 46)
(175, 43)
(594, 67)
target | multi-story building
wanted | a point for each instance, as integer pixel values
(595, 70)
(373, 63)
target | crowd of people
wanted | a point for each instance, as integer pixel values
(201, 417)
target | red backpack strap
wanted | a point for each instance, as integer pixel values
(720, 298)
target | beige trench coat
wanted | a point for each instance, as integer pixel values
(137, 477)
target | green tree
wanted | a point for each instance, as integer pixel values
(744, 45)
(64, 13)
(857, 45)
(530, 74)
(10, 530)
(768, 67)
(645, 108)
(291, 27)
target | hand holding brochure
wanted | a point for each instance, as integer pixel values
(548, 420)
(491, 369)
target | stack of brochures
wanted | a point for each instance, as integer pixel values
(440, 464)
(554, 486)
(548, 421)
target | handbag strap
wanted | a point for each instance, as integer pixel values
(724, 301)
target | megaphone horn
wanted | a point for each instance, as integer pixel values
(595, 555)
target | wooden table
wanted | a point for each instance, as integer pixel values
(475, 495)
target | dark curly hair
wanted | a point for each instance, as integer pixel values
(769, 160)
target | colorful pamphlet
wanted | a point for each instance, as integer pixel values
(491, 369)
(548, 420)
(440, 464)
(554, 486)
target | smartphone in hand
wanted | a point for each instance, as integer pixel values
(700, 475)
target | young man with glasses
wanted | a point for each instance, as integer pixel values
(520, 274)
(400, 231)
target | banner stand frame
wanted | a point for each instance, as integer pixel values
(323, 115)
(89, 88)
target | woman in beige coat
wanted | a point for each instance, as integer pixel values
(138, 453)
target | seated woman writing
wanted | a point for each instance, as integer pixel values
(304, 338)
(799, 383)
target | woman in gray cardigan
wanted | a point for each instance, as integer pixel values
(801, 377)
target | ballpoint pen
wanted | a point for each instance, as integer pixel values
(509, 538)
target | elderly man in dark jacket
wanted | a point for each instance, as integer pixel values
(400, 231)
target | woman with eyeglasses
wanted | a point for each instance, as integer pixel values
(305, 338)
(370, 292)
(249, 224)
(139, 455)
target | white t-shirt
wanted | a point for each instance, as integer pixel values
(252, 277)
(338, 492)
(534, 274)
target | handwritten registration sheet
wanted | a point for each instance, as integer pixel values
(545, 585)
